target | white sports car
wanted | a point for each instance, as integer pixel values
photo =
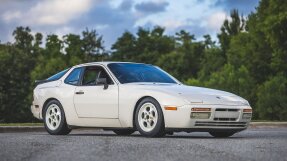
(129, 97)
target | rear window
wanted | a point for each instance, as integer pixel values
(58, 75)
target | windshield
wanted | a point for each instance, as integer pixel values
(58, 75)
(129, 73)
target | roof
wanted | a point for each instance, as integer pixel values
(105, 63)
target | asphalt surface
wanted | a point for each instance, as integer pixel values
(264, 144)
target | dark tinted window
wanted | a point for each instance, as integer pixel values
(128, 73)
(92, 73)
(74, 76)
(58, 75)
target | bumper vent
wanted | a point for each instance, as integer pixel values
(227, 109)
(220, 124)
(224, 119)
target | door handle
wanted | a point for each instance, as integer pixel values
(80, 92)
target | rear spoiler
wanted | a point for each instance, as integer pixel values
(37, 82)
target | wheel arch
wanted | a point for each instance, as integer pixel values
(137, 103)
(45, 103)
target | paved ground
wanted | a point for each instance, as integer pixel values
(253, 144)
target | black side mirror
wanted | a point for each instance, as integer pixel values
(102, 81)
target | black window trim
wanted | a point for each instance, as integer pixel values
(66, 82)
(97, 65)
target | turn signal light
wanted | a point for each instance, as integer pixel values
(247, 110)
(201, 109)
(173, 108)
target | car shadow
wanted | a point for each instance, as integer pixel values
(176, 136)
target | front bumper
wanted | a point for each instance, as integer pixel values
(36, 111)
(220, 119)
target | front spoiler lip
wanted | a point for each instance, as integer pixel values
(205, 129)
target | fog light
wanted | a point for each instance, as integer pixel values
(200, 109)
(200, 115)
(247, 110)
(247, 116)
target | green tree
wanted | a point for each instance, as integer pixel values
(248, 50)
(213, 60)
(145, 47)
(23, 38)
(230, 28)
(271, 17)
(74, 51)
(92, 46)
(173, 63)
(235, 80)
(125, 48)
(272, 102)
(14, 85)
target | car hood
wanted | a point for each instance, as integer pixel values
(197, 95)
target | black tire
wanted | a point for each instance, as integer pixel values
(221, 134)
(63, 128)
(124, 132)
(159, 128)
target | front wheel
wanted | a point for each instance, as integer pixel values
(54, 119)
(149, 118)
(221, 134)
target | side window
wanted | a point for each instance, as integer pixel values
(74, 77)
(92, 73)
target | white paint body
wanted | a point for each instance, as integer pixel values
(114, 107)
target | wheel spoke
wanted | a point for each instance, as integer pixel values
(147, 117)
(53, 117)
(55, 110)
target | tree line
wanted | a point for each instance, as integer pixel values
(249, 59)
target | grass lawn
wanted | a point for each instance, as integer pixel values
(21, 124)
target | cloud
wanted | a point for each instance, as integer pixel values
(215, 21)
(173, 24)
(55, 12)
(10, 15)
(126, 5)
(50, 12)
(151, 7)
(111, 18)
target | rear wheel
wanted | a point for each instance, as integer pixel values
(124, 132)
(54, 119)
(149, 118)
(221, 134)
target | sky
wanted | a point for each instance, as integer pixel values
(110, 18)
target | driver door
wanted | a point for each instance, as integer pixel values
(91, 99)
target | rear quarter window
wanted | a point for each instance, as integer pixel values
(58, 75)
(74, 77)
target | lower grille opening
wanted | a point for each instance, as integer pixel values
(227, 109)
(220, 124)
(224, 119)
